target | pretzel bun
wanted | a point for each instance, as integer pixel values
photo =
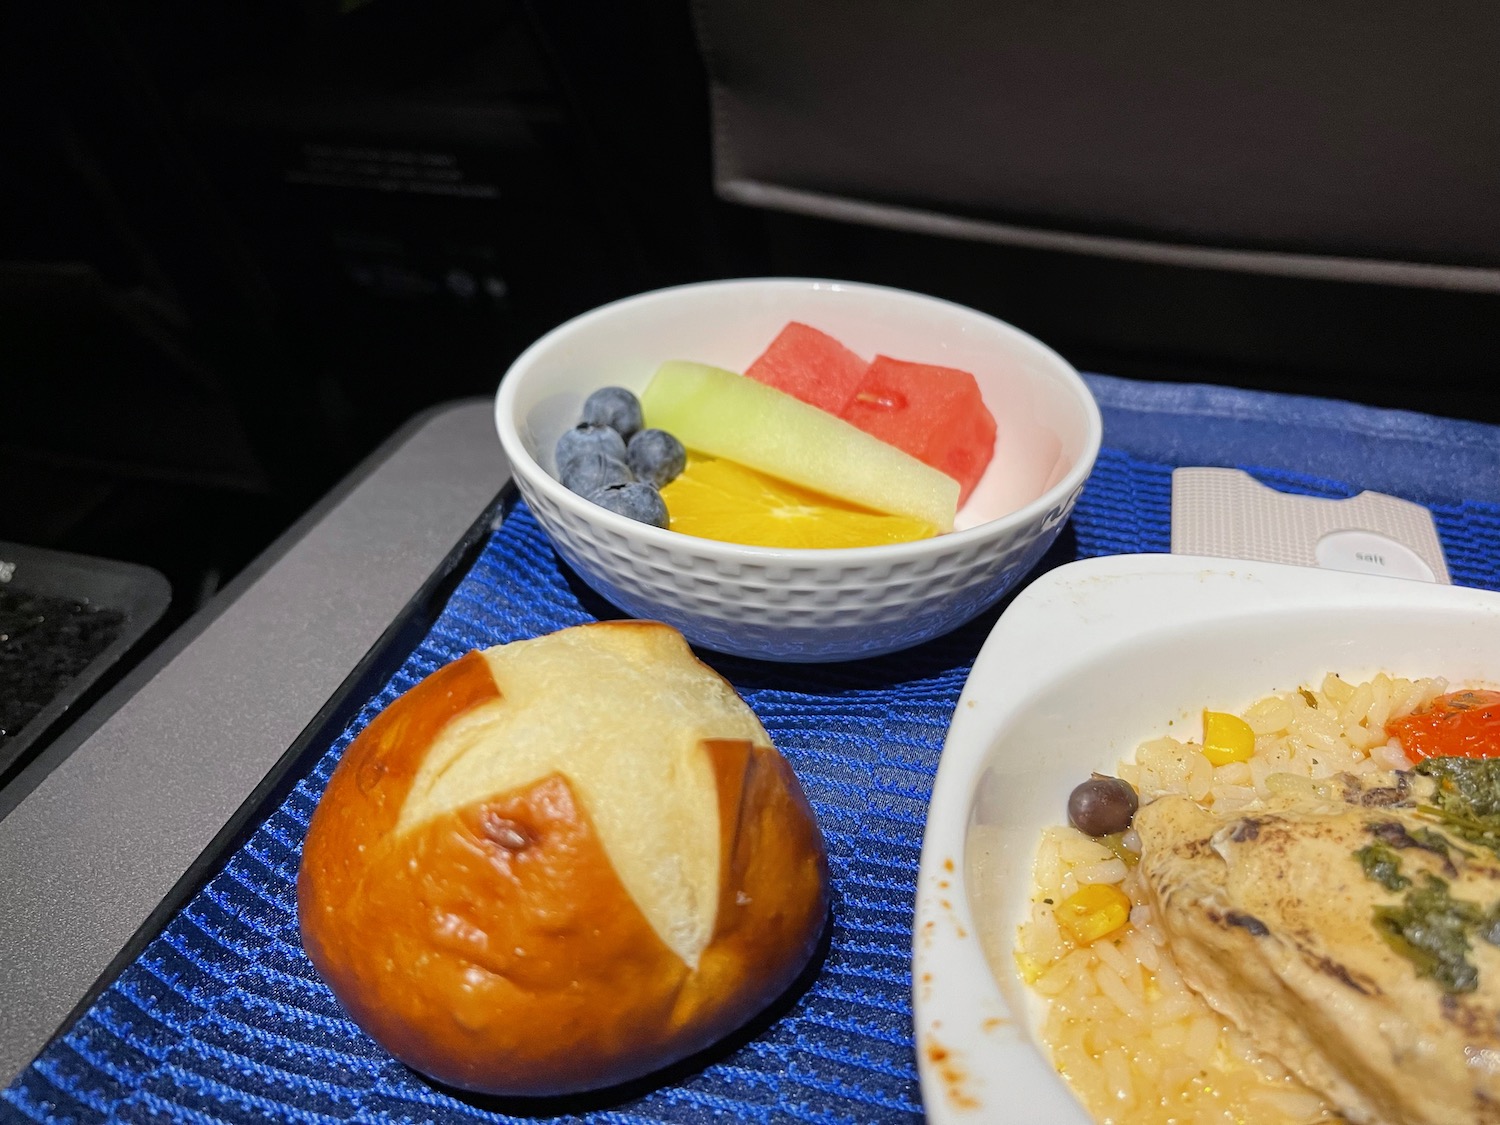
(562, 863)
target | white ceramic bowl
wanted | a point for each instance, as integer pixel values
(805, 605)
(1086, 663)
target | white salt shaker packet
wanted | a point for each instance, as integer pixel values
(1226, 513)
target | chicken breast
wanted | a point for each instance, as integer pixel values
(1349, 937)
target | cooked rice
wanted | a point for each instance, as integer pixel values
(1135, 1043)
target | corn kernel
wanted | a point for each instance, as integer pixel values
(1226, 738)
(1093, 911)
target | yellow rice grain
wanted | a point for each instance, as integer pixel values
(1336, 690)
(1142, 951)
(1380, 703)
(1118, 993)
(1388, 756)
(1270, 715)
(1116, 1064)
(1111, 870)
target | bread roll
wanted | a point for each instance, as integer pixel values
(562, 863)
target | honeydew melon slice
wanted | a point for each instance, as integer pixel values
(724, 414)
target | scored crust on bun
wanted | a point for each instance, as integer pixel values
(562, 863)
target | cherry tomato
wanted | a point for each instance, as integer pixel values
(1462, 724)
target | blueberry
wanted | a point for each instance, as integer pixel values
(634, 500)
(614, 407)
(588, 437)
(656, 456)
(592, 470)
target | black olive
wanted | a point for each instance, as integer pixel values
(1102, 806)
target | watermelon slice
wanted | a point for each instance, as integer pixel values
(936, 414)
(811, 366)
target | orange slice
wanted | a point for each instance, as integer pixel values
(717, 499)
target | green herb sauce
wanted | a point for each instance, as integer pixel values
(1467, 800)
(1429, 927)
(1382, 864)
(1430, 839)
(1431, 930)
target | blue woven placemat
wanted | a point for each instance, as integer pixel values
(222, 1019)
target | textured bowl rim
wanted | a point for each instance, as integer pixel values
(526, 467)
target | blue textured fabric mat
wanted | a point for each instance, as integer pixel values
(222, 1019)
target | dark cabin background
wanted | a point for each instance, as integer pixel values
(242, 243)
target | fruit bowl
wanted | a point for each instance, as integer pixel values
(804, 605)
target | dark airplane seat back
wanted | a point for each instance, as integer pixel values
(1343, 140)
